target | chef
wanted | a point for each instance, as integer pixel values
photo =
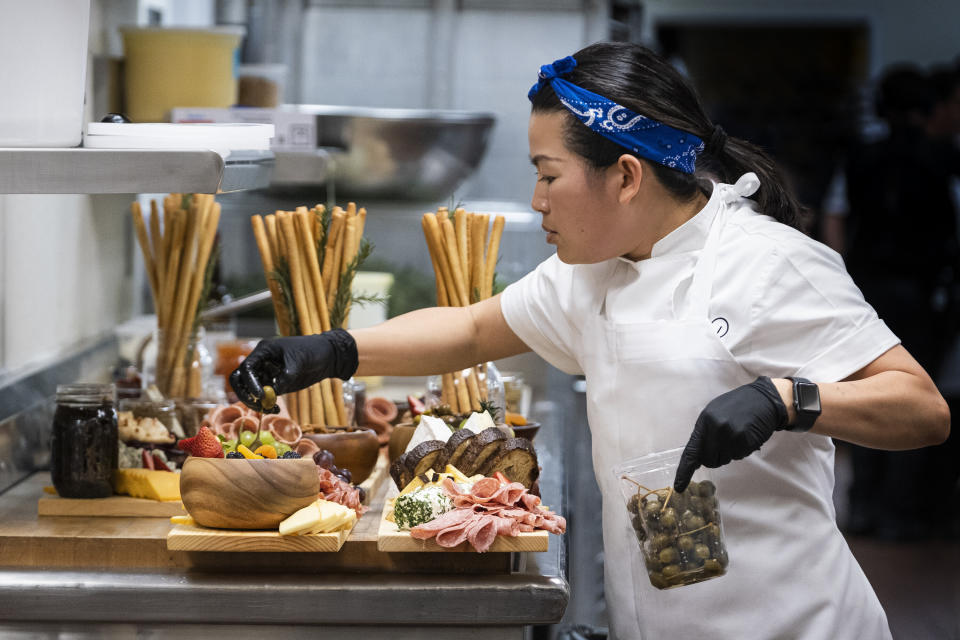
(701, 318)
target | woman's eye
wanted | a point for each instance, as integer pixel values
(547, 179)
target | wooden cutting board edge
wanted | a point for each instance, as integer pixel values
(189, 538)
(114, 506)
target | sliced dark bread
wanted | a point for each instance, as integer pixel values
(517, 460)
(423, 457)
(482, 446)
(399, 473)
(453, 450)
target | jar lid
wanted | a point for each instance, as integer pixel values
(86, 393)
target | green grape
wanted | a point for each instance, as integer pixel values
(229, 445)
(267, 438)
(247, 438)
(282, 448)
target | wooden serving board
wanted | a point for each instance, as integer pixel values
(114, 506)
(390, 538)
(380, 472)
(194, 538)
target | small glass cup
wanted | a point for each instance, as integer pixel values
(680, 534)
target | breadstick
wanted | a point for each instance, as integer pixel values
(431, 230)
(493, 247)
(141, 229)
(450, 246)
(460, 228)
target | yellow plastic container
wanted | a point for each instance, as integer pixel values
(168, 68)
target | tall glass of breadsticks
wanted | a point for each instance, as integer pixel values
(309, 257)
(463, 250)
(177, 255)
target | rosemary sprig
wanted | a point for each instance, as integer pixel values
(281, 274)
(325, 217)
(344, 296)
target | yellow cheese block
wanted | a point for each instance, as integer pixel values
(147, 483)
(321, 516)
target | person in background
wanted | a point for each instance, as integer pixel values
(902, 251)
(703, 319)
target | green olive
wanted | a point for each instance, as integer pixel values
(671, 571)
(633, 506)
(707, 489)
(657, 580)
(693, 489)
(714, 532)
(712, 565)
(669, 517)
(685, 543)
(723, 558)
(669, 555)
(652, 507)
(637, 523)
(661, 541)
(702, 551)
(269, 399)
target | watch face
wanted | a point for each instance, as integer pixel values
(808, 397)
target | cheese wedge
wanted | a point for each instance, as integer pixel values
(147, 483)
(322, 516)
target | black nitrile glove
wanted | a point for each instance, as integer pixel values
(294, 363)
(732, 426)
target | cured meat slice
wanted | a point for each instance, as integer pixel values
(283, 429)
(444, 521)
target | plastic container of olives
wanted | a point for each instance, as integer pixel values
(680, 534)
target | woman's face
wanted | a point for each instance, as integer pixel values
(581, 214)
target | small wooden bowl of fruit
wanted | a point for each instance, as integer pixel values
(247, 493)
(354, 448)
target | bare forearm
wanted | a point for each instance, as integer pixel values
(891, 408)
(436, 340)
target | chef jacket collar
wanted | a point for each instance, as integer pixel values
(690, 236)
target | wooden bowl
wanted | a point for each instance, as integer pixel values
(527, 431)
(353, 448)
(399, 439)
(246, 494)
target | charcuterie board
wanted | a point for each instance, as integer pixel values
(113, 506)
(195, 538)
(392, 539)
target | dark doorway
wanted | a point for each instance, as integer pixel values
(793, 89)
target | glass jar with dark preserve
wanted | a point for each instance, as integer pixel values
(83, 452)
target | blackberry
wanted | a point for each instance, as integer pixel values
(291, 454)
(235, 455)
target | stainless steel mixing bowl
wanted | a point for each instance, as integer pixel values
(405, 154)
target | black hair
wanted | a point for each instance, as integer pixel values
(637, 78)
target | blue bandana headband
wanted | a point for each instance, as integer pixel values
(646, 137)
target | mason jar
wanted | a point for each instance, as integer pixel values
(83, 449)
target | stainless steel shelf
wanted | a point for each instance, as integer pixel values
(80, 170)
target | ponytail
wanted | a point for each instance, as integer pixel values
(645, 83)
(735, 157)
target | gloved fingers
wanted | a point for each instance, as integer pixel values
(246, 386)
(689, 461)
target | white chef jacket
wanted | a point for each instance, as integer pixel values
(782, 305)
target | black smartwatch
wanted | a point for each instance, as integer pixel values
(806, 402)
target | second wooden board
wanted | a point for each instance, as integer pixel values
(190, 538)
(114, 506)
(390, 538)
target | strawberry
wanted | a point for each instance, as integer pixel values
(202, 445)
(416, 406)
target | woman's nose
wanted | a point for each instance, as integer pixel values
(538, 202)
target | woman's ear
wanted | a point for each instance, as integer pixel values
(630, 175)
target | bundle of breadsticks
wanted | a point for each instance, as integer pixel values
(464, 254)
(177, 255)
(309, 257)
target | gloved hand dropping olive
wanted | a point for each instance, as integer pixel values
(291, 364)
(732, 426)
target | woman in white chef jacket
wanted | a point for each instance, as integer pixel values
(699, 315)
